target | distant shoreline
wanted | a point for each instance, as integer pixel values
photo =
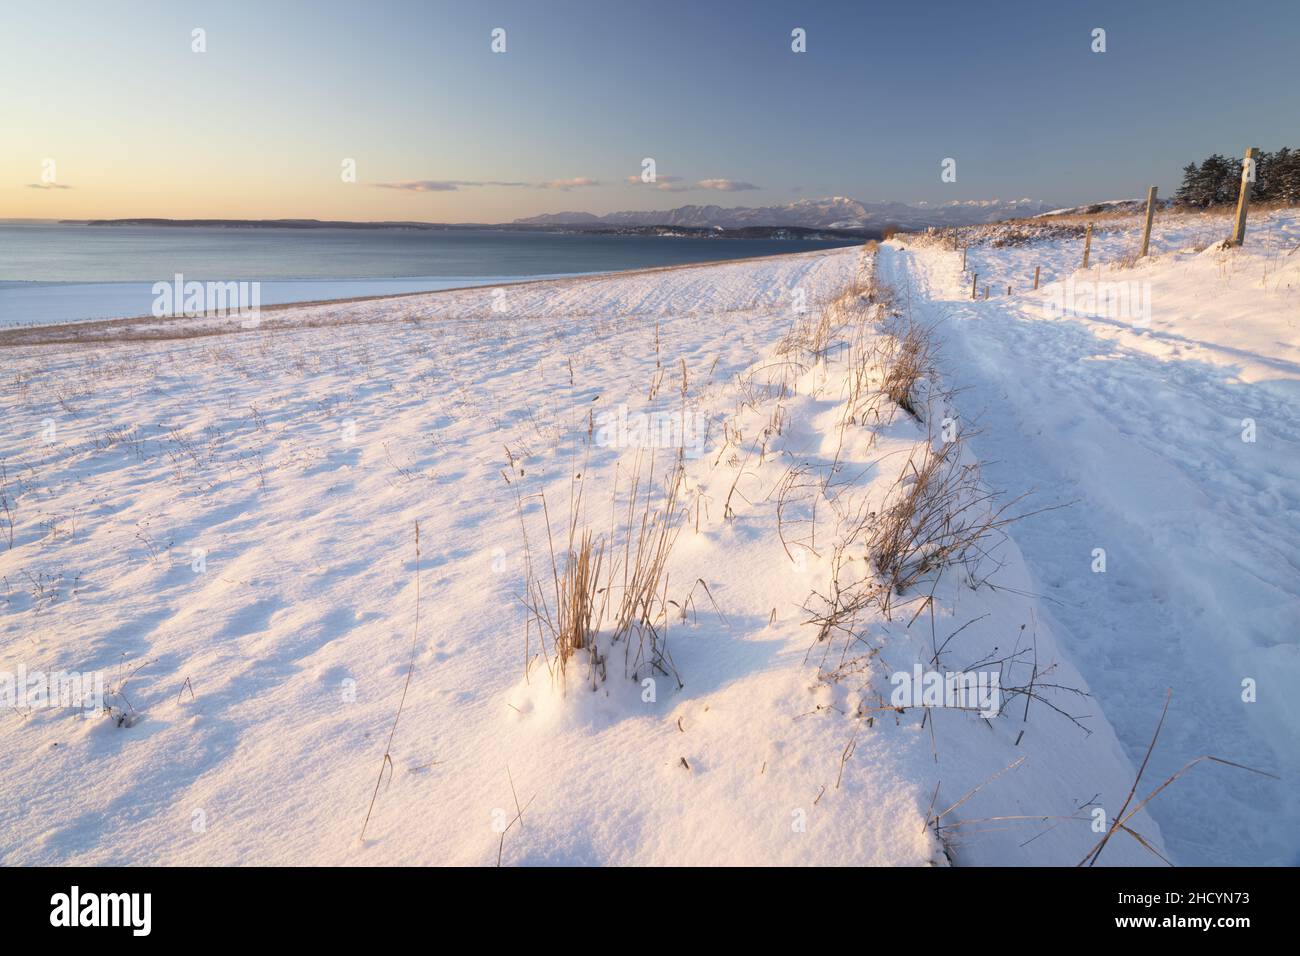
(101, 331)
(73, 273)
(809, 233)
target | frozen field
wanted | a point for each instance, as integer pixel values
(221, 521)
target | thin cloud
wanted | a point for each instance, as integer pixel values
(566, 184)
(454, 185)
(675, 184)
(725, 185)
(47, 186)
(664, 184)
(441, 185)
(637, 180)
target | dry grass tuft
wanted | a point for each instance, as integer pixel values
(909, 360)
(577, 603)
(573, 611)
(938, 513)
(649, 535)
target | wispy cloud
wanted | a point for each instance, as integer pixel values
(636, 180)
(725, 185)
(454, 185)
(47, 186)
(566, 184)
(441, 185)
(676, 184)
(666, 184)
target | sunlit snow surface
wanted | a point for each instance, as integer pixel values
(229, 517)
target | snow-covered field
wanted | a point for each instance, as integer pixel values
(223, 525)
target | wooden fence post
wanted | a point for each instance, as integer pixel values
(963, 258)
(1243, 196)
(1087, 245)
(974, 283)
(1146, 230)
(1036, 268)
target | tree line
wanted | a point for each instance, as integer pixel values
(1216, 180)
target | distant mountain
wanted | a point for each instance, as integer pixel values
(584, 223)
(836, 212)
(808, 215)
(272, 224)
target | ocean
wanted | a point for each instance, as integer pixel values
(53, 273)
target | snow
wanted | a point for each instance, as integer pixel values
(42, 303)
(265, 668)
(1139, 420)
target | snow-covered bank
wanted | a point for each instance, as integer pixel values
(1171, 424)
(44, 303)
(224, 527)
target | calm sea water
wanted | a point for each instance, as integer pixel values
(62, 273)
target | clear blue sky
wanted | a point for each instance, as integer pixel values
(260, 123)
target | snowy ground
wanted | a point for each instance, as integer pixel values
(1140, 417)
(43, 303)
(223, 525)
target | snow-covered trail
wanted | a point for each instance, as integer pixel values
(1141, 427)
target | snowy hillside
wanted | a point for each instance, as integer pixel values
(692, 544)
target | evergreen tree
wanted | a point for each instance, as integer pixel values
(1284, 176)
(1226, 175)
(1186, 191)
(1208, 184)
(1217, 180)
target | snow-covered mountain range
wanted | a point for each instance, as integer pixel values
(836, 212)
